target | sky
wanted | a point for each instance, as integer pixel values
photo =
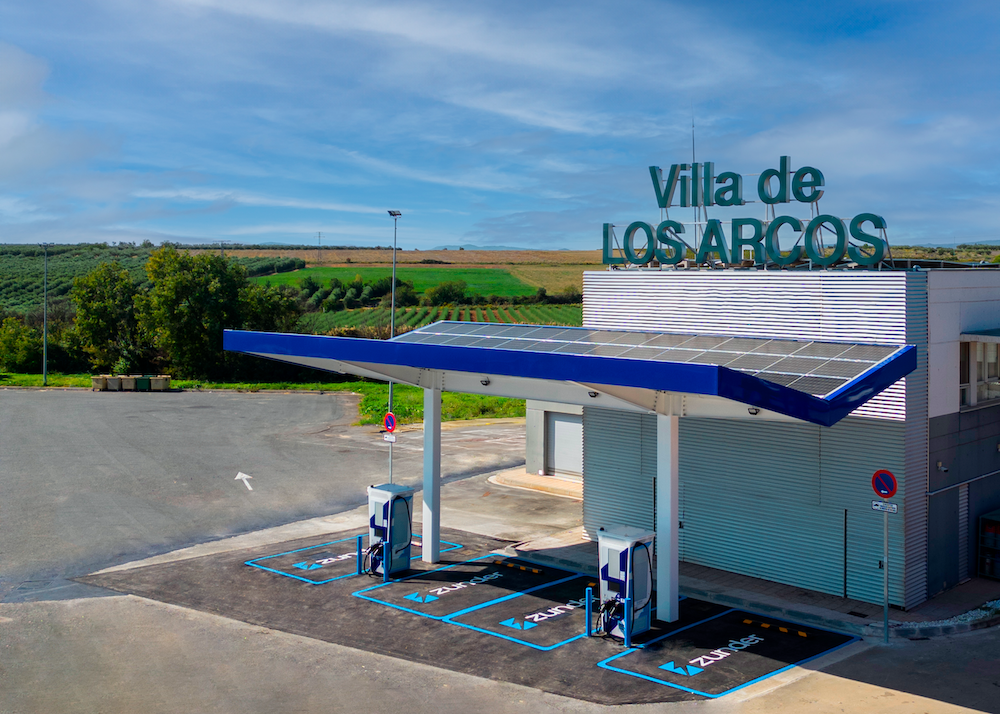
(510, 123)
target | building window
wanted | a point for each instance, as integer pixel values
(979, 378)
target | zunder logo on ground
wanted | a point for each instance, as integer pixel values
(462, 587)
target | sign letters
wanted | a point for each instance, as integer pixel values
(699, 185)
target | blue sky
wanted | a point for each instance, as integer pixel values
(506, 123)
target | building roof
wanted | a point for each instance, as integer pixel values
(818, 382)
(981, 336)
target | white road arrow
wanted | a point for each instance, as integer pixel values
(243, 477)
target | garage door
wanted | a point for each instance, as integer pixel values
(564, 445)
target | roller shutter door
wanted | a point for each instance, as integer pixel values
(564, 445)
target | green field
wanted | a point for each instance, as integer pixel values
(322, 322)
(484, 281)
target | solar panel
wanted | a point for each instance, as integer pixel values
(817, 368)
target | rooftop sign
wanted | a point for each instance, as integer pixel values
(699, 186)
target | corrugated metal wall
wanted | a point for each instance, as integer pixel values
(752, 503)
(785, 502)
(913, 484)
(619, 466)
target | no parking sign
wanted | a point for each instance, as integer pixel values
(884, 483)
(389, 422)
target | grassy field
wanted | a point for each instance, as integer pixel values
(554, 278)
(485, 281)
(319, 323)
(408, 402)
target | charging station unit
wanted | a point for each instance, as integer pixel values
(626, 560)
(390, 528)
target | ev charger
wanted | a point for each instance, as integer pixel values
(626, 559)
(390, 527)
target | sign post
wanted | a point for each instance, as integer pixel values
(389, 422)
(884, 485)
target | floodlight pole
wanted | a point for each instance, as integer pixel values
(45, 316)
(392, 313)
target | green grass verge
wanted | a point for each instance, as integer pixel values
(15, 379)
(408, 402)
(485, 281)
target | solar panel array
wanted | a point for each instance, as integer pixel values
(817, 368)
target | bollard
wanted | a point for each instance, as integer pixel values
(625, 622)
(589, 596)
(359, 554)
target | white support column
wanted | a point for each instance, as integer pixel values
(431, 532)
(667, 519)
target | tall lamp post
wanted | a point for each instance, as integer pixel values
(392, 313)
(45, 316)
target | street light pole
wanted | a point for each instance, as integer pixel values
(392, 313)
(45, 316)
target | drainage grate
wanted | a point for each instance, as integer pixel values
(856, 614)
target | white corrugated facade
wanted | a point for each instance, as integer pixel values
(787, 502)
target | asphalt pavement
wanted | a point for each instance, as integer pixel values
(93, 479)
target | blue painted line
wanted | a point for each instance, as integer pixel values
(604, 663)
(360, 593)
(256, 561)
(541, 648)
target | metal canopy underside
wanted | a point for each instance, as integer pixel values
(818, 382)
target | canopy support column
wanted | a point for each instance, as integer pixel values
(667, 519)
(431, 530)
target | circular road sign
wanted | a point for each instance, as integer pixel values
(884, 483)
(390, 425)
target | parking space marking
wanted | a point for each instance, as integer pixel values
(676, 662)
(549, 613)
(333, 559)
(442, 586)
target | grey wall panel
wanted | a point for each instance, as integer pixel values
(942, 552)
(619, 467)
(534, 451)
(966, 444)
